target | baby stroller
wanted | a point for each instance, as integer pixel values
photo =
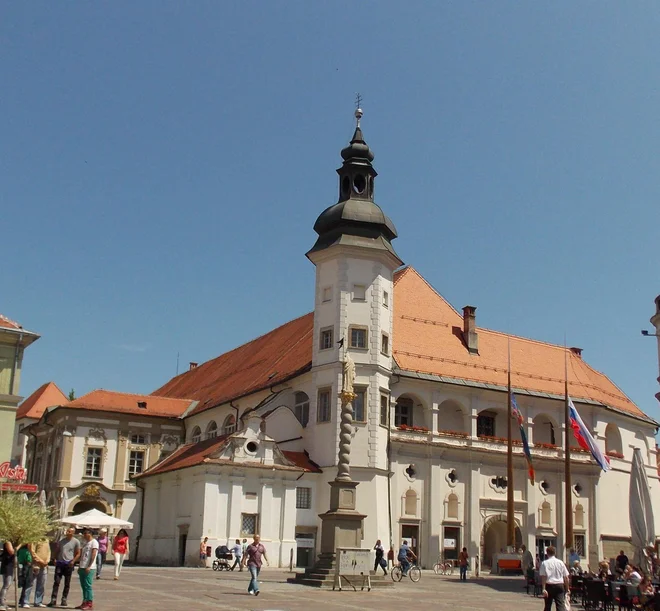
(223, 556)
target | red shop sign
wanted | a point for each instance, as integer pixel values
(17, 474)
(5, 487)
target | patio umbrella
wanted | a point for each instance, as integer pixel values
(64, 500)
(642, 526)
(42, 499)
(95, 519)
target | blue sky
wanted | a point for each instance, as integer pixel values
(163, 163)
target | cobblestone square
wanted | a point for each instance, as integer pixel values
(179, 589)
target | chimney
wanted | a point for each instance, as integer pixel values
(576, 351)
(192, 365)
(470, 329)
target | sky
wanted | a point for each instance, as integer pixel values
(162, 165)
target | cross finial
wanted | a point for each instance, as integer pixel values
(358, 109)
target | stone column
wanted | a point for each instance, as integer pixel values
(473, 532)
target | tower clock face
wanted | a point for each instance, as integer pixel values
(359, 183)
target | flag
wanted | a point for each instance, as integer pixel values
(518, 416)
(584, 438)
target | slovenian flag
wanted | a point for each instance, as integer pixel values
(584, 438)
(521, 423)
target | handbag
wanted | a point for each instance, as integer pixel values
(382, 562)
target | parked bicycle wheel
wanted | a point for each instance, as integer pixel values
(437, 568)
(396, 573)
(449, 568)
(415, 573)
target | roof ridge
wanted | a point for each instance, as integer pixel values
(128, 394)
(438, 293)
(526, 339)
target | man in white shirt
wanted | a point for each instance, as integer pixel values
(86, 569)
(554, 577)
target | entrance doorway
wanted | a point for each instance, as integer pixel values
(83, 506)
(451, 542)
(494, 538)
(410, 533)
(183, 539)
(305, 546)
(542, 544)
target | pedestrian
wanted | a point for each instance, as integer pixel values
(120, 550)
(40, 560)
(86, 569)
(621, 563)
(103, 551)
(67, 552)
(24, 559)
(527, 565)
(238, 554)
(555, 581)
(463, 562)
(202, 552)
(573, 557)
(252, 558)
(244, 545)
(7, 560)
(380, 558)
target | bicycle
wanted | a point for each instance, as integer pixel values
(414, 572)
(443, 568)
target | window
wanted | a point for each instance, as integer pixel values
(303, 498)
(452, 507)
(196, 435)
(323, 407)
(138, 439)
(327, 294)
(325, 342)
(546, 513)
(93, 465)
(135, 463)
(358, 338)
(359, 292)
(579, 516)
(499, 483)
(410, 504)
(229, 425)
(580, 545)
(486, 424)
(385, 344)
(386, 299)
(301, 407)
(384, 409)
(249, 523)
(212, 430)
(403, 412)
(358, 405)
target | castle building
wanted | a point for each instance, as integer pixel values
(258, 426)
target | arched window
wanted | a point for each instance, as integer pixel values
(613, 439)
(229, 425)
(196, 435)
(301, 407)
(546, 513)
(411, 502)
(579, 515)
(544, 430)
(212, 430)
(486, 424)
(403, 412)
(452, 506)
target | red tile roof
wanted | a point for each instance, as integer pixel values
(428, 339)
(45, 396)
(127, 403)
(7, 323)
(268, 360)
(190, 455)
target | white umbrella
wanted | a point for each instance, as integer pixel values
(95, 519)
(64, 500)
(42, 499)
(642, 526)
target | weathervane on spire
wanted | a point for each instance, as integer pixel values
(358, 109)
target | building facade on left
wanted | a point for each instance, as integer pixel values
(14, 339)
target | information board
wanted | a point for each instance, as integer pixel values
(354, 561)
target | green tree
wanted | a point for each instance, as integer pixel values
(22, 521)
(72, 395)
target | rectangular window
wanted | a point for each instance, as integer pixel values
(93, 464)
(384, 409)
(135, 463)
(138, 439)
(325, 342)
(327, 294)
(386, 299)
(323, 407)
(580, 545)
(403, 412)
(385, 344)
(249, 523)
(359, 292)
(486, 425)
(303, 498)
(359, 414)
(358, 338)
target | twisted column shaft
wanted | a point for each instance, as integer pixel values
(345, 432)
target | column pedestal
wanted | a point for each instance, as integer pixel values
(342, 525)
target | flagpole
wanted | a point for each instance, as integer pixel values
(510, 524)
(567, 460)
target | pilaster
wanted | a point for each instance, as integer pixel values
(235, 506)
(266, 518)
(67, 460)
(121, 471)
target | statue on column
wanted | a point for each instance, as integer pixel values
(348, 377)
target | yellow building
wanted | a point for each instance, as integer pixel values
(13, 341)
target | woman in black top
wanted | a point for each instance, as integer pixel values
(6, 570)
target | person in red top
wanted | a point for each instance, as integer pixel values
(120, 550)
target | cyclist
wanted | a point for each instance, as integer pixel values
(404, 552)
